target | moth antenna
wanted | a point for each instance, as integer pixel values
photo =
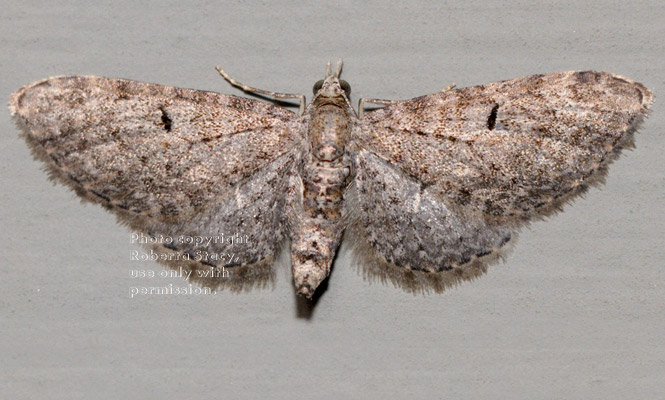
(328, 70)
(338, 70)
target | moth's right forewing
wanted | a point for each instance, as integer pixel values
(515, 149)
(147, 149)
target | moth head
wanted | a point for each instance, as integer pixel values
(332, 86)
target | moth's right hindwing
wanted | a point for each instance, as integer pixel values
(407, 234)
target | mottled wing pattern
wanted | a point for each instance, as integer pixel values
(257, 208)
(406, 233)
(476, 163)
(168, 161)
(150, 149)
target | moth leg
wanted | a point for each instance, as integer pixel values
(250, 89)
(361, 104)
(449, 87)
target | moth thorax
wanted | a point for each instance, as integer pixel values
(329, 132)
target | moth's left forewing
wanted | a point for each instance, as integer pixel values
(174, 164)
(152, 150)
(481, 161)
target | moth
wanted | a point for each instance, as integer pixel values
(429, 190)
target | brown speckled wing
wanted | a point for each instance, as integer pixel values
(178, 165)
(151, 150)
(511, 148)
(472, 165)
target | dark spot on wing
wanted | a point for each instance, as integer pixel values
(166, 120)
(491, 120)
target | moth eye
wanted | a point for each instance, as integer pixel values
(318, 85)
(345, 87)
